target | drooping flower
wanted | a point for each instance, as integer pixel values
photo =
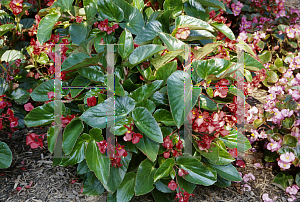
(248, 177)
(16, 6)
(28, 107)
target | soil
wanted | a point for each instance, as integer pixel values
(53, 184)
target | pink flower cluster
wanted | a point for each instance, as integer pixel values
(237, 8)
(292, 31)
(292, 190)
(280, 10)
(266, 198)
(286, 160)
(273, 145)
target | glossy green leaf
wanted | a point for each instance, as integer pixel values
(224, 29)
(126, 189)
(290, 140)
(205, 50)
(93, 73)
(5, 155)
(142, 53)
(126, 44)
(227, 172)
(71, 133)
(79, 81)
(45, 27)
(82, 168)
(109, 10)
(92, 186)
(145, 91)
(171, 42)
(186, 185)
(11, 55)
(251, 63)
(166, 70)
(51, 138)
(6, 28)
(211, 68)
(145, 122)
(73, 60)
(198, 173)
(20, 95)
(162, 197)
(236, 140)
(282, 180)
(221, 182)
(288, 122)
(98, 162)
(144, 178)
(167, 57)
(265, 56)
(65, 5)
(78, 32)
(134, 20)
(164, 169)
(149, 32)
(139, 4)
(148, 104)
(148, 147)
(212, 3)
(192, 23)
(195, 9)
(96, 116)
(41, 115)
(164, 116)
(175, 5)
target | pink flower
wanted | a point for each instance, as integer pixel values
(293, 198)
(50, 95)
(273, 145)
(290, 32)
(284, 165)
(287, 157)
(248, 177)
(292, 190)
(266, 198)
(243, 36)
(254, 135)
(28, 107)
(263, 135)
(295, 94)
(246, 187)
(258, 165)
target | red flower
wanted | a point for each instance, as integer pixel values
(172, 185)
(102, 146)
(13, 121)
(66, 120)
(240, 163)
(16, 6)
(2, 103)
(50, 95)
(79, 19)
(19, 188)
(183, 33)
(136, 138)
(91, 101)
(28, 107)
(34, 140)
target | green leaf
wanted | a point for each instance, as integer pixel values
(164, 169)
(134, 20)
(282, 179)
(195, 9)
(11, 55)
(78, 32)
(290, 140)
(236, 140)
(97, 162)
(212, 154)
(96, 116)
(41, 115)
(177, 94)
(227, 172)
(199, 35)
(144, 178)
(171, 42)
(20, 95)
(117, 87)
(288, 122)
(186, 185)
(246, 47)
(149, 32)
(93, 73)
(175, 5)
(297, 179)
(82, 168)
(212, 68)
(148, 147)
(224, 29)
(73, 60)
(51, 138)
(65, 5)
(117, 175)
(45, 27)
(167, 57)
(166, 70)
(164, 116)
(145, 91)
(79, 81)
(43, 58)
(192, 23)
(142, 53)
(207, 103)
(126, 44)
(212, 3)
(205, 50)
(251, 63)
(221, 182)
(118, 128)
(92, 186)
(126, 188)
(3, 86)
(148, 104)
(198, 173)
(145, 122)
(71, 133)
(109, 10)
(5, 155)
(6, 28)
(139, 4)
(265, 56)
(162, 197)
(78, 152)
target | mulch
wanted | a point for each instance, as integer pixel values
(53, 184)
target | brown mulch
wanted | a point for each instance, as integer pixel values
(54, 183)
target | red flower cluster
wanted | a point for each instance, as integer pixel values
(183, 195)
(66, 120)
(33, 29)
(16, 6)
(91, 101)
(115, 154)
(35, 140)
(221, 88)
(103, 26)
(132, 136)
(168, 144)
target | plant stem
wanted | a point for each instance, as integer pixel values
(3, 67)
